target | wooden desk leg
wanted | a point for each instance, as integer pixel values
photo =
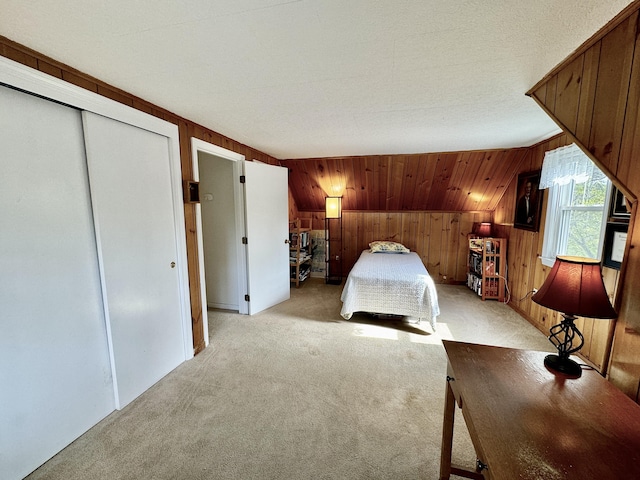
(447, 434)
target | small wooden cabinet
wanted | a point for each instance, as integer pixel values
(300, 249)
(487, 267)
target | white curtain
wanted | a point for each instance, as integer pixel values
(559, 168)
(564, 164)
(559, 196)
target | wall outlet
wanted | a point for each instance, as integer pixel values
(535, 290)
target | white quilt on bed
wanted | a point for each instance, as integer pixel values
(393, 284)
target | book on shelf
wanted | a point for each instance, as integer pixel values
(302, 258)
(302, 238)
(293, 239)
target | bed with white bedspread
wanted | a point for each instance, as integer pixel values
(392, 284)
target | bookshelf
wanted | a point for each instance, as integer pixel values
(486, 267)
(300, 249)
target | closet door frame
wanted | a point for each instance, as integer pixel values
(15, 75)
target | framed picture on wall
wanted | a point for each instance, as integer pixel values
(615, 240)
(528, 202)
(618, 208)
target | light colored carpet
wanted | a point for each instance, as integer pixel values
(297, 392)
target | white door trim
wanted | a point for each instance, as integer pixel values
(16, 75)
(238, 159)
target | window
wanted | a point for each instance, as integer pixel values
(579, 194)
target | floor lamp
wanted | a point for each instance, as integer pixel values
(333, 239)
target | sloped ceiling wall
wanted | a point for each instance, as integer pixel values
(594, 95)
(451, 182)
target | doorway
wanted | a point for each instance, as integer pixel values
(249, 226)
(220, 224)
(219, 231)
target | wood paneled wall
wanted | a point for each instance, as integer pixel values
(594, 96)
(526, 272)
(187, 129)
(440, 238)
(449, 182)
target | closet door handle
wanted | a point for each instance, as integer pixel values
(173, 264)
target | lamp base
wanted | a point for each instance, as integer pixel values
(563, 365)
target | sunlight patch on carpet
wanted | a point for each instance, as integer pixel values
(375, 331)
(442, 333)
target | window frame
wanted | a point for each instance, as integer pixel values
(558, 209)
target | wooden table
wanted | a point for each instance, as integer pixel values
(528, 423)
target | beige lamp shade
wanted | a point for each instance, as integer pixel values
(333, 207)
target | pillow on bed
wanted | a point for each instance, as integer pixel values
(387, 247)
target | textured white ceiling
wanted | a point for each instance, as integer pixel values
(315, 78)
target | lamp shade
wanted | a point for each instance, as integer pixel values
(333, 207)
(575, 287)
(484, 229)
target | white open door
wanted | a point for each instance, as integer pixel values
(267, 223)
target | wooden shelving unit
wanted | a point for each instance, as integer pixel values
(300, 250)
(487, 267)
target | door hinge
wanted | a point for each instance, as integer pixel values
(243, 179)
(246, 298)
(245, 240)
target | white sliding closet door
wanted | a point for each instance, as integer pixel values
(55, 374)
(132, 196)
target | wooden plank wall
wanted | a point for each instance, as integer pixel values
(526, 272)
(594, 96)
(449, 182)
(293, 207)
(187, 129)
(440, 238)
(429, 202)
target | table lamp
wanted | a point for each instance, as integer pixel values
(574, 287)
(484, 229)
